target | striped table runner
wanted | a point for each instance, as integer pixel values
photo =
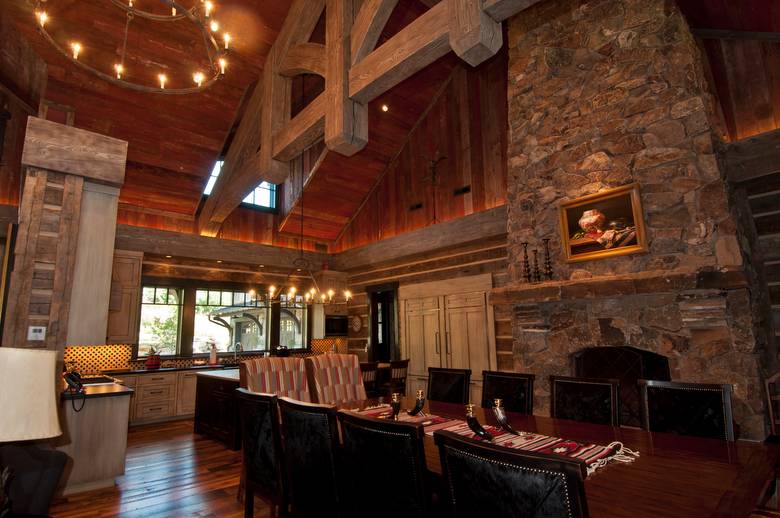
(594, 455)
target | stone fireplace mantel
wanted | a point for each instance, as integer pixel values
(650, 282)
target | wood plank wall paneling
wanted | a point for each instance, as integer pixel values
(488, 256)
(22, 83)
(467, 125)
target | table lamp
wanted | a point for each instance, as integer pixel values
(29, 398)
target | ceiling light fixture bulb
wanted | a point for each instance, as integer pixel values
(214, 25)
(385, 108)
(222, 65)
(208, 7)
(163, 79)
(226, 38)
(42, 18)
(119, 69)
(198, 78)
(75, 47)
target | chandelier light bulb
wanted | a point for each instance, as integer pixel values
(119, 69)
(226, 38)
(293, 290)
(42, 18)
(222, 66)
(173, 11)
(323, 297)
(214, 25)
(307, 296)
(75, 47)
(347, 295)
(130, 3)
(208, 7)
(313, 291)
(198, 78)
(163, 80)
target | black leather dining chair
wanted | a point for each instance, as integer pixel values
(487, 480)
(369, 372)
(592, 400)
(449, 385)
(514, 388)
(378, 450)
(261, 445)
(699, 409)
(311, 446)
(397, 381)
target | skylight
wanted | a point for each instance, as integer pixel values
(264, 195)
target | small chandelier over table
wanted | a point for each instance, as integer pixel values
(217, 45)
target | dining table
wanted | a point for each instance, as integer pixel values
(673, 476)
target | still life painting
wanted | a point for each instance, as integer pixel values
(604, 224)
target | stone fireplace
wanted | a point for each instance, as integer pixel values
(605, 93)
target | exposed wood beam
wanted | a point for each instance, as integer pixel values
(479, 226)
(500, 10)
(301, 132)
(304, 58)
(718, 34)
(474, 35)
(753, 157)
(415, 47)
(163, 242)
(369, 22)
(346, 120)
(234, 172)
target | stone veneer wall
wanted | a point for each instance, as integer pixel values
(603, 93)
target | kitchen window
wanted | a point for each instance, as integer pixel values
(232, 320)
(161, 309)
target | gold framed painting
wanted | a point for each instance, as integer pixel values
(605, 224)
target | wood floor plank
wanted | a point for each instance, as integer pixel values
(170, 472)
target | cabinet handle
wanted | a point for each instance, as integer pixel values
(438, 349)
(156, 392)
(155, 409)
(448, 343)
(157, 379)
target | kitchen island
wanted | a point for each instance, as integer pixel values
(216, 408)
(94, 436)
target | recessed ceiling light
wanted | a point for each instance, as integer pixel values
(385, 108)
(219, 260)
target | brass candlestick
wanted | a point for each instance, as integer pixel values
(395, 404)
(537, 276)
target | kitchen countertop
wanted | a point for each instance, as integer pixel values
(112, 372)
(94, 391)
(227, 374)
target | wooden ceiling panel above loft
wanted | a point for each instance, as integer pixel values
(742, 44)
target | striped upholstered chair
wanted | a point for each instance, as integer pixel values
(335, 378)
(285, 377)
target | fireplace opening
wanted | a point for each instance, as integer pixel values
(627, 364)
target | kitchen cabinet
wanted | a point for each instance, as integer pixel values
(161, 396)
(216, 407)
(125, 300)
(450, 325)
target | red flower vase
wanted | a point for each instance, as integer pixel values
(153, 361)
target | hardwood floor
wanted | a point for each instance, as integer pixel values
(170, 472)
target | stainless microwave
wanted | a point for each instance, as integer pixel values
(336, 325)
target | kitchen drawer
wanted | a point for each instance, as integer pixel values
(150, 393)
(157, 379)
(154, 410)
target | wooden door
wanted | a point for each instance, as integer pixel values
(125, 300)
(423, 337)
(467, 338)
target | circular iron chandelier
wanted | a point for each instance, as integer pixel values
(200, 15)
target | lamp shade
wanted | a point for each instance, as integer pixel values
(28, 395)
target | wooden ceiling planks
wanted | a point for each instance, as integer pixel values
(745, 66)
(338, 187)
(181, 136)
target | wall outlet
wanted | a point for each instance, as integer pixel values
(36, 333)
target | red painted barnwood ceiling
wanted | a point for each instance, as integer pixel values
(745, 71)
(173, 140)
